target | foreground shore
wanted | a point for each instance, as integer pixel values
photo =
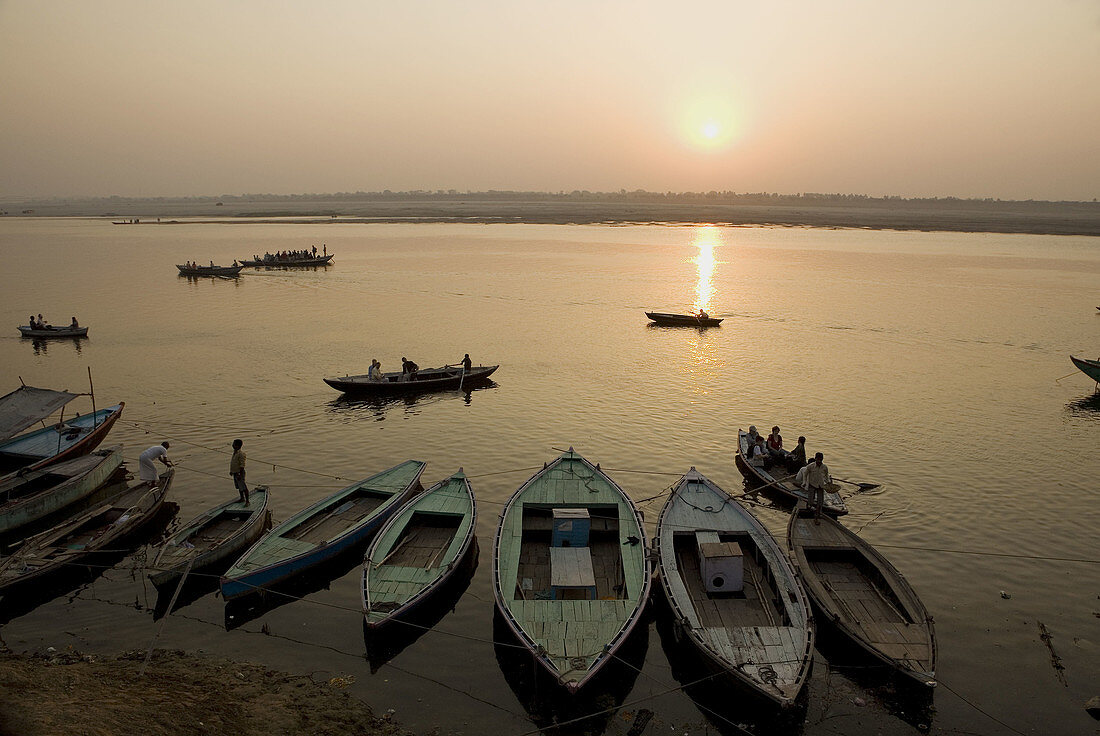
(66, 692)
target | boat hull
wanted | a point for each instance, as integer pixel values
(23, 511)
(427, 381)
(288, 263)
(209, 270)
(1090, 368)
(682, 320)
(80, 435)
(53, 333)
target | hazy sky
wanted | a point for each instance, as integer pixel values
(969, 98)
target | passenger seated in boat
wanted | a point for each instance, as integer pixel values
(375, 372)
(702, 315)
(753, 435)
(775, 445)
(758, 453)
(796, 458)
(34, 325)
(74, 325)
(42, 323)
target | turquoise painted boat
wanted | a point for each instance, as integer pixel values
(733, 592)
(32, 495)
(215, 537)
(70, 438)
(99, 531)
(1090, 368)
(571, 574)
(322, 531)
(418, 550)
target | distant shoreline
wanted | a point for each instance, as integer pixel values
(951, 215)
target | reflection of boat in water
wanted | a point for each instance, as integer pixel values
(49, 333)
(683, 320)
(209, 270)
(427, 379)
(1090, 368)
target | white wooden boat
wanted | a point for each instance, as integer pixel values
(733, 591)
(780, 480)
(418, 550)
(571, 573)
(857, 590)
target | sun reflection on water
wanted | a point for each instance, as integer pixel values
(707, 238)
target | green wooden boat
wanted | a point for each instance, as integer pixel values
(418, 550)
(29, 496)
(571, 574)
(733, 592)
(215, 536)
(322, 531)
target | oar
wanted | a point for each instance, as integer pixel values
(862, 486)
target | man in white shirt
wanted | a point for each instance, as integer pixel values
(816, 478)
(146, 470)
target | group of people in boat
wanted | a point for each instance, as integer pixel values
(293, 255)
(812, 476)
(409, 369)
(195, 264)
(40, 323)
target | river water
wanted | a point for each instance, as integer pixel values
(934, 364)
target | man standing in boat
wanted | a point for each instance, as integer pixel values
(146, 470)
(815, 480)
(236, 469)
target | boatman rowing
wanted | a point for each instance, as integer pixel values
(815, 479)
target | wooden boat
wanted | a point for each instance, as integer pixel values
(733, 591)
(781, 481)
(571, 574)
(209, 270)
(427, 379)
(67, 439)
(418, 550)
(863, 595)
(50, 333)
(33, 495)
(216, 536)
(322, 531)
(1090, 368)
(683, 320)
(100, 530)
(275, 262)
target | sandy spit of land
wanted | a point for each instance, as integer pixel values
(70, 693)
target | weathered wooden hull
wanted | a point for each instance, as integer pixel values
(863, 596)
(682, 320)
(572, 639)
(395, 582)
(173, 558)
(99, 531)
(77, 478)
(1090, 368)
(432, 379)
(286, 550)
(762, 637)
(81, 435)
(785, 488)
(53, 332)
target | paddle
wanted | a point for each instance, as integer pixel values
(862, 486)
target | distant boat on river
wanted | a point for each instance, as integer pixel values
(683, 320)
(427, 379)
(1090, 368)
(197, 270)
(52, 332)
(288, 262)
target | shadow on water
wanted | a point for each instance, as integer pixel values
(1085, 406)
(379, 406)
(724, 702)
(41, 346)
(20, 601)
(548, 704)
(386, 642)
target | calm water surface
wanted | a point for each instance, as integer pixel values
(927, 362)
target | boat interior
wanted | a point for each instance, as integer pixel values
(217, 529)
(758, 603)
(332, 519)
(424, 540)
(16, 488)
(856, 585)
(533, 578)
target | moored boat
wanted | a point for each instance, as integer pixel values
(98, 531)
(571, 573)
(1090, 368)
(733, 592)
(859, 592)
(49, 333)
(427, 379)
(209, 270)
(418, 550)
(322, 531)
(780, 480)
(683, 320)
(29, 496)
(213, 538)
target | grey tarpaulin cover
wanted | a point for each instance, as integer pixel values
(26, 405)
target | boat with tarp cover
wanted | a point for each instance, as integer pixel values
(733, 592)
(322, 531)
(67, 438)
(571, 572)
(418, 550)
(781, 480)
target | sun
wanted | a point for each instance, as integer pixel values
(711, 130)
(709, 123)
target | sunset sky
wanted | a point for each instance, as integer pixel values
(979, 98)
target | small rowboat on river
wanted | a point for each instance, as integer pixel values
(733, 592)
(571, 573)
(683, 320)
(857, 590)
(50, 333)
(1090, 368)
(101, 530)
(209, 270)
(418, 550)
(781, 481)
(322, 531)
(215, 537)
(427, 379)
